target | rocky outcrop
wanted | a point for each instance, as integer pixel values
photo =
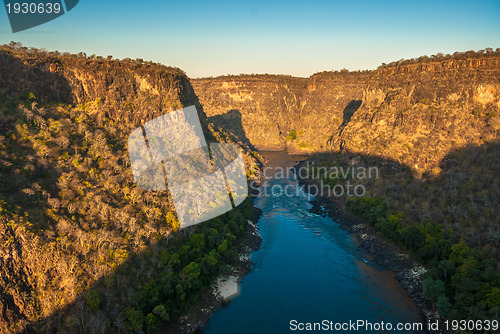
(277, 112)
(70, 213)
(133, 91)
(260, 110)
(416, 114)
(423, 108)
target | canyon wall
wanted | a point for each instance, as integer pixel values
(259, 110)
(430, 127)
(424, 109)
(134, 92)
(78, 239)
(266, 109)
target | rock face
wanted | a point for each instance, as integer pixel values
(422, 108)
(72, 221)
(277, 112)
(133, 91)
(417, 113)
(259, 110)
(37, 275)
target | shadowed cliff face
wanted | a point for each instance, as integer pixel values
(411, 113)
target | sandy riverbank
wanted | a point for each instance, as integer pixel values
(227, 287)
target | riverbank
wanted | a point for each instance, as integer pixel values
(377, 250)
(215, 296)
(225, 288)
(383, 253)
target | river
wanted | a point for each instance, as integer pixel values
(308, 270)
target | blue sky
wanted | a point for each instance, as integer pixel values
(209, 38)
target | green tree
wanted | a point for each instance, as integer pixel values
(135, 319)
(493, 298)
(459, 252)
(443, 305)
(223, 247)
(447, 269)
(433, 289)
(390, 226)
(292, 135)
(161, 312)
(198, 241)
(152, 322)
(190, 272)
(93, 300)
(412, 237)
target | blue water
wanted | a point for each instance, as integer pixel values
(307, 269)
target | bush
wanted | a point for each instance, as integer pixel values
(462, 281)
(373, 209)
(433, 289)
(135, 319)
(292, 135)
(93, 300)
(443, 305)
(161, 312)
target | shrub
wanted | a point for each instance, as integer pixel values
(93, 300)
(135, 319)
(292, 135)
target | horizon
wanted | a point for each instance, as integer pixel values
(278, 37)
(266, 74)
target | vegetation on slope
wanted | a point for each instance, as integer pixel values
(448, 222)
(431, 125)
(82, 248)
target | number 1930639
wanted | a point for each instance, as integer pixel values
(33, 8)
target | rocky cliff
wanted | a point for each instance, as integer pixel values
(422, 108)
(430, 126)
(259, 110)
(274, 112)
(78, 240)
(135, 90)
(417, 113)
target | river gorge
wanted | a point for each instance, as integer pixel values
(85, 250)
(307, 270)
